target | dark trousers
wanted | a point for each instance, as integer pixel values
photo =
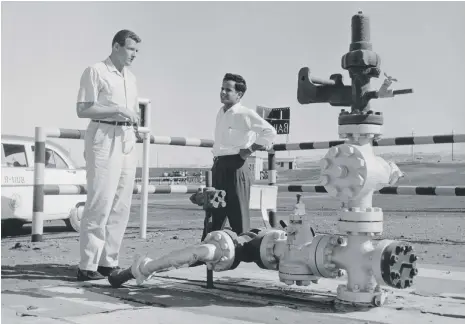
(231, 174)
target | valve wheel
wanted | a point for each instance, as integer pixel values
(398, 265)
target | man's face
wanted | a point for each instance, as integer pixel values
(228, 94)
(127, 53)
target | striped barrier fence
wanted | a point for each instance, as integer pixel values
(393, 141)
(397, 190)
(198, 142)
(41, 135)
(82, 189)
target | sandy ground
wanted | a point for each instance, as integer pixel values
(435, 225)
(438, 233)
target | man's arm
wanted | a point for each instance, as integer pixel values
(266, 134)
(87, 106)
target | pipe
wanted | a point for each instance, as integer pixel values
(217, 251)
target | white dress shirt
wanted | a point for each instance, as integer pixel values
(102, 83)
(240, 127)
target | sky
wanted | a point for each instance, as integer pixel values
(187, 47)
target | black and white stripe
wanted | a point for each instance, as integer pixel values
(180, 141)
(394, 141)
(399, 190)
(54, 190)
(38, 189)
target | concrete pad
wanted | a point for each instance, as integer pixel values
(403, 305)
(56, 301)
(171, 316)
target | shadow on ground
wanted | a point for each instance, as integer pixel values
(187, 293)
(39, 271)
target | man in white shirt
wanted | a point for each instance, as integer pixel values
(108, 97)
(239, 132)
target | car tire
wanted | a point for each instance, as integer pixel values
(11, 227)
(73, 223)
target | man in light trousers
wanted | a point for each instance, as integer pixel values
(108, 97)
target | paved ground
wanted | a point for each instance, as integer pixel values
(38, 280)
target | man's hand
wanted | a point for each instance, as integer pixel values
(244, 153)
(131, 115)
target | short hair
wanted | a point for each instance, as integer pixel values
(240, 85)
(122, 35)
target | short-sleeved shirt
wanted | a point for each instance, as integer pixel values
(104, 84)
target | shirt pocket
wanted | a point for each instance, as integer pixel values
(236, 136)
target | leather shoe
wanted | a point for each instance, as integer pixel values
(106, 271)
(87, 275)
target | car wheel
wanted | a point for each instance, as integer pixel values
(73, 223)
(11, 227)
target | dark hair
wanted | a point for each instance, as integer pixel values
(122, 35)
(240, 82)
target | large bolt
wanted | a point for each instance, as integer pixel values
(400, 249)
(334, 151)
(413, 272)
(413, 258)
(217, 237)
(359, 180)
(324, 180)
(324, 164)
(394, 259)
(347, 150)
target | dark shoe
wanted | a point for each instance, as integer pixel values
(105, 271)
(87, 275)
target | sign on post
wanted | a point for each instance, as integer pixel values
(279, 118)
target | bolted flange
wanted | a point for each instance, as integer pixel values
(226, 245)
(398, 265)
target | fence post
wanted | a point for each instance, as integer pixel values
(38, 190)
(272, 182)
(145, 173)
(208, 183)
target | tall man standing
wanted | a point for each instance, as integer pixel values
(108, 97)
(239, 132)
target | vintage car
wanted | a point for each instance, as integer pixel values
(17, 184)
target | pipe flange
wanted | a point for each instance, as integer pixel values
(139, 261)
(368, 298)
(269, 240)
(321, 251)
(226, 245)
(343, 171)
(395, 264)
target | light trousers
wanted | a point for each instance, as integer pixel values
(111, 161)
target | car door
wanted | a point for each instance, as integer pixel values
(16, 181)
(59, 172)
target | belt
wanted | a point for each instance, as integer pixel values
(220, 157)
(116, 123)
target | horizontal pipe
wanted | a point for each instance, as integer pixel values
(179, 189)
(198, 142)
(398, 190)
(54, 190)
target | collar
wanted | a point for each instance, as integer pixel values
(111, 67)
(233, 108)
